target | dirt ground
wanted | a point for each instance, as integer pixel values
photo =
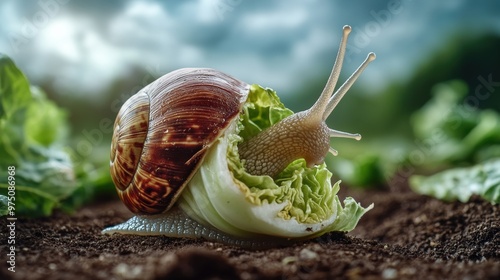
(406, 236)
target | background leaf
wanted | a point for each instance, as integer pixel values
(461, 183)
(14, 88)
(32, 130)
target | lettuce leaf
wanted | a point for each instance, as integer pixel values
(300, 202)
(14, 88)
(461, 183)
(451, 131)
(31, 129)
(45, 123)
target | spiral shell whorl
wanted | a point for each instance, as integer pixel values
(173, 121)
(130, 131)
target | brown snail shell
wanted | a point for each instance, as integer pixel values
(162, 133)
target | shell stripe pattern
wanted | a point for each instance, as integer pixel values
(173, 122)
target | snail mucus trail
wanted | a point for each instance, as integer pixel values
(207, 205)
(303, 134)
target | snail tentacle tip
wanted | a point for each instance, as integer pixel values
(371, 57)
(342, 134)
(333, 151)
(347, 29)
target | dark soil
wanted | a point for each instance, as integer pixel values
(406, 236)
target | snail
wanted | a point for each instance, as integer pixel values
(200, 154)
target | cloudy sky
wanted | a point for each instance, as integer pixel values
(87, 44)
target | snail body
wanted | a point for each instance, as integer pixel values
(196, 140)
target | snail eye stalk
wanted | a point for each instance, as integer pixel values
(303, 134)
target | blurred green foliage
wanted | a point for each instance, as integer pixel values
(461, 183)
(33, 148)
(452, 132)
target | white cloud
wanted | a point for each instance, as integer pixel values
(60, 37)
(287, 17)
(75, 56)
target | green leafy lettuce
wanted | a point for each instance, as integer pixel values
(451, 131)
(300, 202)
(454, 133)
(461, 183)
(31, 131)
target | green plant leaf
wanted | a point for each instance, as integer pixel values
(461, 183)
(452, 131)
(45, 122)
(14, 88)
(32, 129)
